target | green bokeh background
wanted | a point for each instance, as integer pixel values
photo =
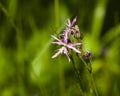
(26, 67)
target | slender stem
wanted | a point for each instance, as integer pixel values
(84, 63)
(92, 80)
(77, 75)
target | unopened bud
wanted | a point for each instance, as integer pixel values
(87, 55)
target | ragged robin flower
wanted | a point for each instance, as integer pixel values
(65, 47)
(65, 41)
(68, 29)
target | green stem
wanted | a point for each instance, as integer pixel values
(92, 80)
(93, 83)
(77, 75)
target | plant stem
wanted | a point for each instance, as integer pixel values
(91, 76)
(93, 83)
(77, 75)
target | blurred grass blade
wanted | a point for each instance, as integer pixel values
(98, 18)
(4, 10)
(56, 4)
(41, 52)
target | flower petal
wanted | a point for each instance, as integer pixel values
(55, 38)
(75, 44)
(59, 43)
(61, 50)
(77, 51)
(56, 54)
(68, 57)
(66, 53)
(73, 22)
(68, 23)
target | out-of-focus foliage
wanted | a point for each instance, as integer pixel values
(26, 67)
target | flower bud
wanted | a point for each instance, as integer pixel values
(87, 55)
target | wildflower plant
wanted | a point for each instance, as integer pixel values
(74, 44)
(65, 41)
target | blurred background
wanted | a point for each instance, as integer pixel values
(26, 67)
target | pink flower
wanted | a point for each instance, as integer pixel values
(70, 24)
(65, 47)
(68, 29)
(62, 50)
